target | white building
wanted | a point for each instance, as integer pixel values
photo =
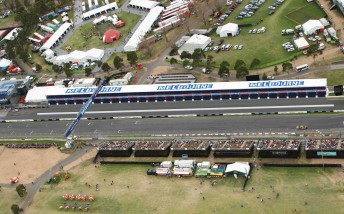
(98, 11)
(145, 26)
(229, 29)
(195, 41)
(78, 56)
(301, 43)
(118, 82)
(88, 82)
(312, 26)
(57, 36)
(143, 4)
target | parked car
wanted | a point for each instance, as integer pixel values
(270, 77)
(236, 47)
(220, 42)
(240, 47)
(189, 67)
(271, 12)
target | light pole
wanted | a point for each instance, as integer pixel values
(321, 149)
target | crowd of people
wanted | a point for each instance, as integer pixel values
(278, 144)
(115, 145)
(152, 144)
(190, 144)
(233, 144)
(329, 143)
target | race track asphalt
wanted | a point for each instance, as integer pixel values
(186, 107)
(97, 128)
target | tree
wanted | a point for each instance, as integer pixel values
(197, 56)
(255, 62)
(15, 209)
(264, 77)
(132, 58)
(88, 72)
(313, 48)
(56, 68)
(276, 69)
(186, 62)
(224, 70)
(38, 67)
(210, 61)
(106, 67)
(67, 70)
(118, 62)
(242, 72)
(286, 66)
(239, 63)
(99, 63)
(21, 190)
(173, 61)
(185, 55)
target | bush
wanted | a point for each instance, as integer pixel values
(38, 67)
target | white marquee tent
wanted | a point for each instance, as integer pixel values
(99, 10)
(239, 168)
(196, 41)
(79, 56)
(301, 43)
(13, 34)
(229, 29)
(145, 26)
(312, 26)
(4, 64)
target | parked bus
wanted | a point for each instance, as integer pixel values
(302, 67)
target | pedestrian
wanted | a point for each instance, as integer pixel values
(128, 187)
(14, 163)
(203, 198)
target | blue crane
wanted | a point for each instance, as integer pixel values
(84, 109)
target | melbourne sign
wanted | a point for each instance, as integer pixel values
(284, 83)
(92, 90)
(184, 87)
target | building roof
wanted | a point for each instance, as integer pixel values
(197, 39)
(86, 81)
(7, 86)
(144, 3)
(324, 22)
(111, 35)
(301, 43)
(43, 91)
(4, 63)
(145, 26)
(100, 9)
(56, 36)
(79, 56)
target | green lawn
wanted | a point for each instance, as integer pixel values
(7, 198)
(9, 21)
(78, 42)
(135, 192)
(266, 47)
(334, 77)
(305, 13)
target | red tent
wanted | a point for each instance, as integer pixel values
(111, 35)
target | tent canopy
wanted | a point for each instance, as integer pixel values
(146, 4)
(312, 26)
(4, 63)
(301, 43)
(111, 35)
(240, 168)
(196, 41)
(228, 29)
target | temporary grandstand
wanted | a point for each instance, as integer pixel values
(233, 148)
(174, 78)
(279, 148)
(193, 148)
(115, 149)
(325, 148)
(56, 37)
(143, 4)
(152, 148)
(145, 27)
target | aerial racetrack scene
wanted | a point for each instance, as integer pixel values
(195, 106)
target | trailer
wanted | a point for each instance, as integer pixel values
(38, 36)
(47, 29)
(185, 163)
(55, 22)
(166, 164)
(96, 3)
(90, 4)
(182, 172)
(163, 171)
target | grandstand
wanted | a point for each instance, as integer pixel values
(279, 148)
(325, 148)
(193, 148)
(233, 148)
(152, 148)
(115, 149)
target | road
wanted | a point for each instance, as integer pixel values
(180, 107)
(101, 128)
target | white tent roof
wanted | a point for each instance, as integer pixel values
(145, 26)
(13, 34)
(311, 26)
(5, 63)
(242, 167)
(301, 43)
(324, 22)
(48, 53)
(79, 56)
(56, 36)
(100, 9)
(143, 3)
(230, 27)
(196, 41)
(95, 54)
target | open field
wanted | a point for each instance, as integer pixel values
(305, 13)
(30, 163)
(334, 77)
(7, 198)
(8, 22)
(78, 42)
(135, 192)
(266, 47)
